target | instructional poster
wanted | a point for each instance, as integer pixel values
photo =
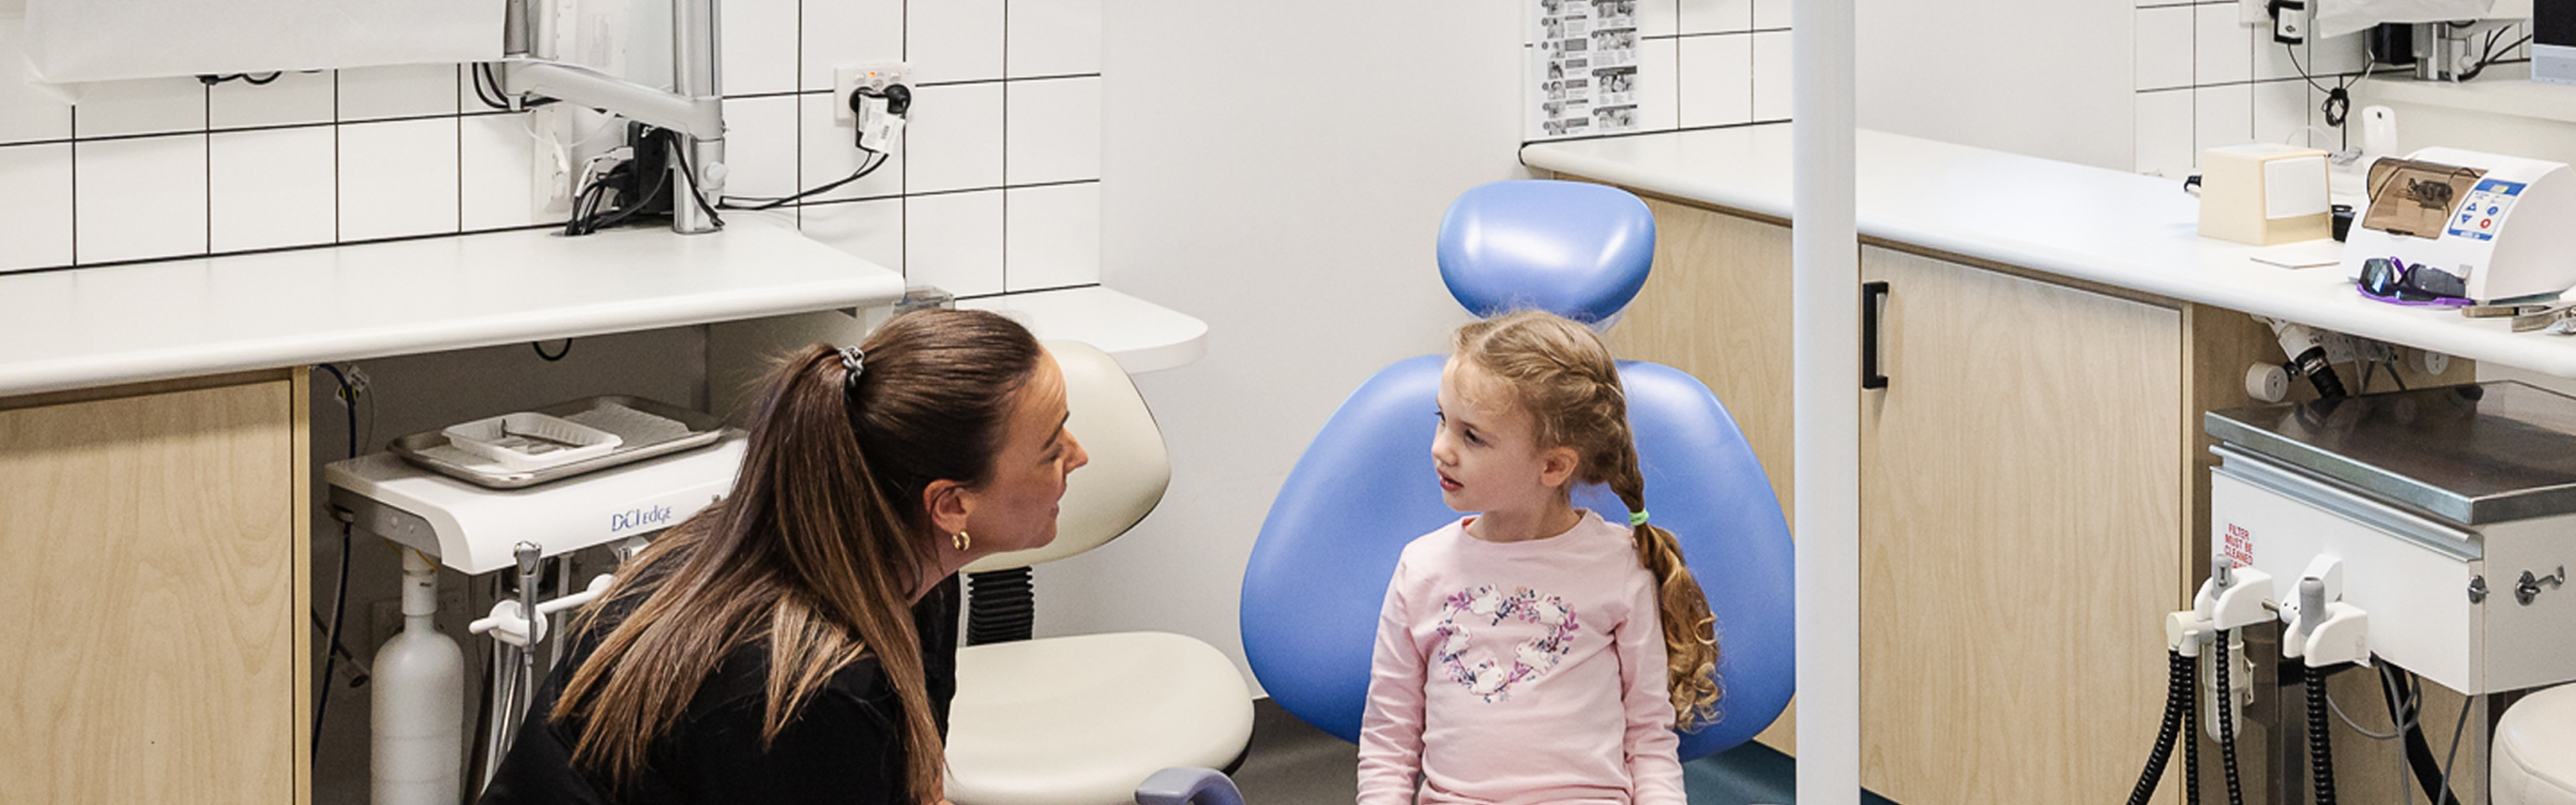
(1587, 67)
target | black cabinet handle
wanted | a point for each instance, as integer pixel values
(1870, 294)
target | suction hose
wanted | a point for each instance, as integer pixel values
(2178, 694)
(2227, 722)
(2320, 751)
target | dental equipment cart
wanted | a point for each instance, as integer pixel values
(2427, 529)
(417, 496)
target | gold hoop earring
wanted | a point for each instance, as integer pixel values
(963, 542)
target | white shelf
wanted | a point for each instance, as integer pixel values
(1143, 336)
(2081, 222)
(86, 327)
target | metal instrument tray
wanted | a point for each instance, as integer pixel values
(430, 450)
(2471, 454)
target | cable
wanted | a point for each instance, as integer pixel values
(772, 203)
(2457, 730)
(2227, 722)
(2337, 709)
(211, 79)
(697, 192)
(540, 347)
(340, 596)
(2320, 749)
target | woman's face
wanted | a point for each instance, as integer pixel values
(1016, 508)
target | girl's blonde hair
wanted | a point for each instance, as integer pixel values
(1561, 373)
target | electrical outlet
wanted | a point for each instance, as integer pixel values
(848, 78)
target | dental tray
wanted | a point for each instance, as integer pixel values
(529, 441)
(575, 437)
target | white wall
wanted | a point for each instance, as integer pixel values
(1278, 170)
(2046, 78)
(1003, 149)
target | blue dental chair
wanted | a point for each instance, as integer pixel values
(1363, 489)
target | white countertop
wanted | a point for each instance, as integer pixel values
(85, 327)
(2111, 227)
(1143, 336)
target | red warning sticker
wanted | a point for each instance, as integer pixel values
(2240, 545)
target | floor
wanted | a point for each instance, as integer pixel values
(1292, 763)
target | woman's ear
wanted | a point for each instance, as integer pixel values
(1558, 465)
(949, 504)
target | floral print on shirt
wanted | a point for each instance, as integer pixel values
(1488, 676)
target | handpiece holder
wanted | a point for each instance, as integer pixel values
(694, 106)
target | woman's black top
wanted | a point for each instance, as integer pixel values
(846, 746)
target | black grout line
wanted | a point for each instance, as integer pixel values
(335, 156)
(1006, 146)
(1714, 34)
(208, 142)
(1008, 80)
(75, 160)
(903, 196)
(460, 146)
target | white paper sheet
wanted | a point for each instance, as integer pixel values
(104, 40)
(1586, 80)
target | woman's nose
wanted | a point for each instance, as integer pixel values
(1075, 456)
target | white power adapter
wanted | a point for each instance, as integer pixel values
(881, 115)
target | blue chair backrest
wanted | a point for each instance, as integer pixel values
(1581, 250)
(1364, 488)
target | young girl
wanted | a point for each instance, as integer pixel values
(1534, 652)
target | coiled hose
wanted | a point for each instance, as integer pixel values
(2320, 752)
(2227, 722)
(1001, 606)
(2178, 698)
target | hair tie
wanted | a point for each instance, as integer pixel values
(1637, 519)
(853, 362)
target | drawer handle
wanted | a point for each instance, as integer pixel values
(1871, 293)
(2529, 587)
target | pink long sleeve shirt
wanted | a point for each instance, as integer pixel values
(1522, 672)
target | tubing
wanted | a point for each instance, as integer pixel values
(2227, 722)
(2191, 739)
(2178, 691)
(2320, 751)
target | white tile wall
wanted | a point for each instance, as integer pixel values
(401, 178)
(35, 205)
(2206, 80)
(1051, 236)
(954, 40)
(955, 139)
(1053, 37)
(1007, 117)
(954, 241)
(139, 198)
(1700, 64)
(1051, 130)
(1715, 80)
(252, 179)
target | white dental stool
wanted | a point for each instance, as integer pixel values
(1083, 720)
(2535, 750)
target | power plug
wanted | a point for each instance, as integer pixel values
(874, 99)
(2289, 21)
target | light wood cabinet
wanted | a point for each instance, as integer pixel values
(2022, 505)
(152, 595)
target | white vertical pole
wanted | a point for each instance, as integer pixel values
(1824, 296)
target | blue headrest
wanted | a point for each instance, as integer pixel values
(1364, 488)
(1574, 249)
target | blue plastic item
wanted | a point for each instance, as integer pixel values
(1581, 250)
(1365, 487)
(1181, 785)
